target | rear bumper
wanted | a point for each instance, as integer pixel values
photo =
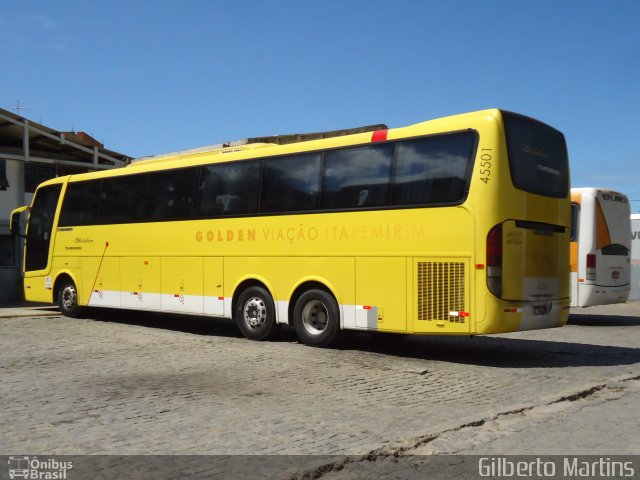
(511, 316)
(590, 295)
(533, 314)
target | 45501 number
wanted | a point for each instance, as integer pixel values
(486, 158)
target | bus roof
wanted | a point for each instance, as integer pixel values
(289, 144)
(258, 142)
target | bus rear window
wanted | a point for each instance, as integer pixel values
(537, 156)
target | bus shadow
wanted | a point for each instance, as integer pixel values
(496, 351)
(604, 320)
(220, 327)
(488, 351)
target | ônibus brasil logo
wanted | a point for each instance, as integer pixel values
(33, 468)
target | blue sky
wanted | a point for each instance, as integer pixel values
(153, 77)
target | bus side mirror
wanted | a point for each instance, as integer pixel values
(14, 223)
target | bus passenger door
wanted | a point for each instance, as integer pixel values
(40, 229)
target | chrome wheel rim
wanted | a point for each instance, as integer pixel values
(315, 317)
(254, 312)
(69, 297)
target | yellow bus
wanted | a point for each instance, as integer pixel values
(458, 225)
(600, 247)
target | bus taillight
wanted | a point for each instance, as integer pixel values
(591, 266)
(494, 260)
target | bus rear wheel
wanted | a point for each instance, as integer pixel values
(316, 318)
(256, 314)
(68, 299)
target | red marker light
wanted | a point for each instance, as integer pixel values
(379, 135)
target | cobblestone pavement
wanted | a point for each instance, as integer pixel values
(126, 383)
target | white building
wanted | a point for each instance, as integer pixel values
(30, 154)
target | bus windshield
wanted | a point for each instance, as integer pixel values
(41, 226)
(537, 156)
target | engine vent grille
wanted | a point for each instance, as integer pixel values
(441, 290)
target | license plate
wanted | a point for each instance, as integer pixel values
(540, 309)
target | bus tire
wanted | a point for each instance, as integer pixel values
(68, 299)
(256, 313)
(316, 318)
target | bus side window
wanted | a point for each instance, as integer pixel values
(291, 183)
(229, 189)
(357, 177)
(172, 194)
(81, 204)
(122, 199)
(209, 204)
(433, 170)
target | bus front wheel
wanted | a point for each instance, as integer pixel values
(68, 298)
(316, 318)
(256, 314)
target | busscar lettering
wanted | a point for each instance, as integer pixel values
(550, 170)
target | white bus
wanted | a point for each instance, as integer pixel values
(600, 260)
(635, 257)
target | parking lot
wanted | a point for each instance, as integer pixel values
(127, 383)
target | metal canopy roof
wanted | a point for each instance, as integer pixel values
(22, 139)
